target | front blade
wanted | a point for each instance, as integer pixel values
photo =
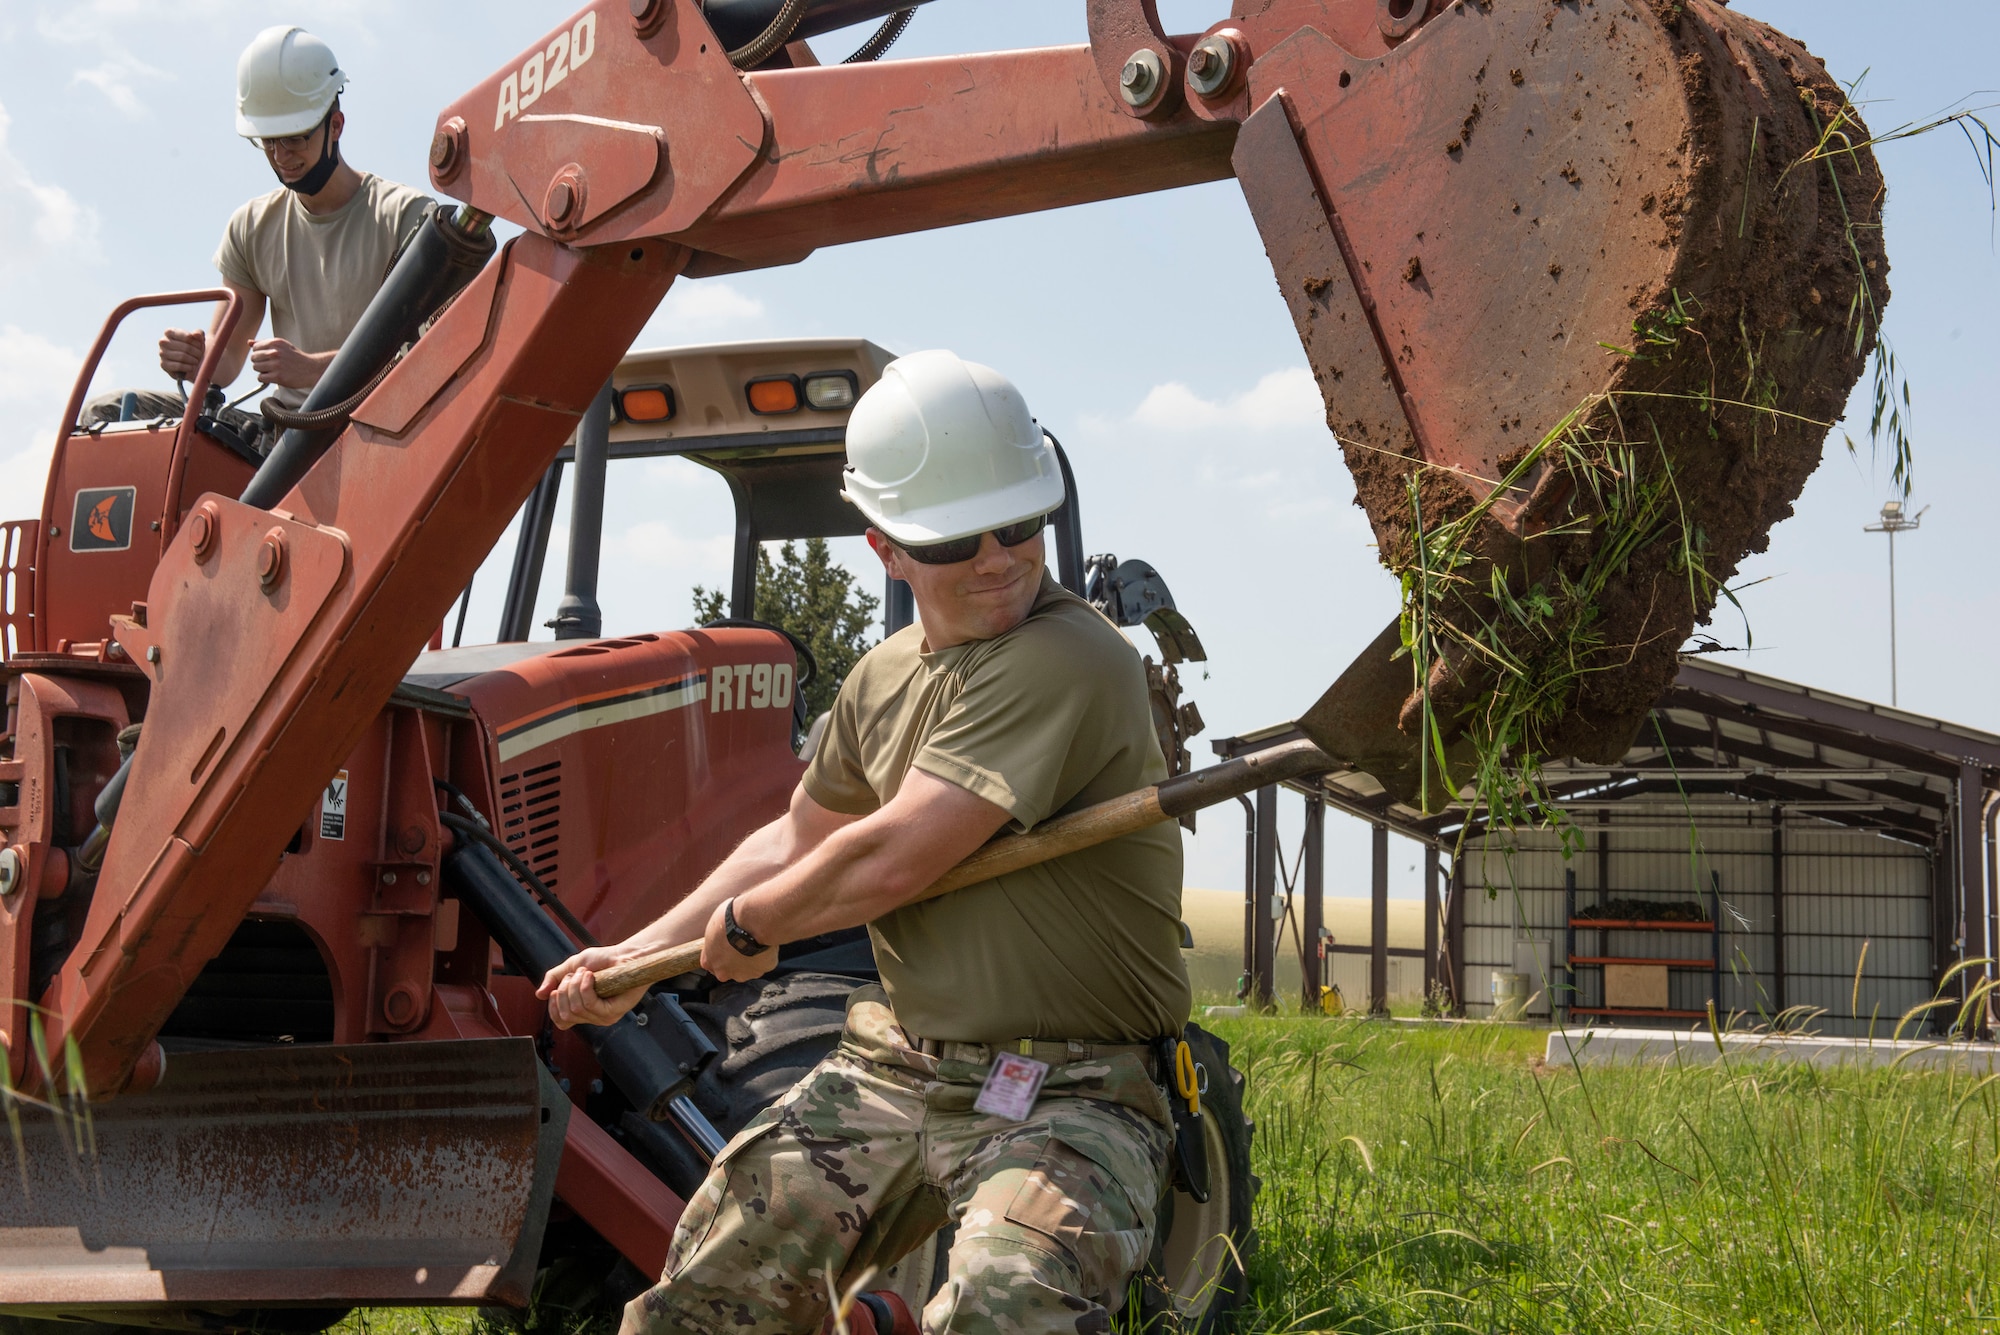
(322, 1176)
(1356, 722)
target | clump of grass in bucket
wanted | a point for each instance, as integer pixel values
(1537, 644)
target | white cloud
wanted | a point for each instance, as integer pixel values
(32, 368)
(116, 77)
(75, 22)
(35, 378)
(1287, 398)
(38, 221)
(701, 309)
(655, 542)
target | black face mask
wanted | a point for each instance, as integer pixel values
(315, 180)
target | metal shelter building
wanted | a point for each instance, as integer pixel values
(1844, 852)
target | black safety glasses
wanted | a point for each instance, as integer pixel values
(954, 550)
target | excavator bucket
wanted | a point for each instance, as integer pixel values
(315, 1177)
(1584, 285)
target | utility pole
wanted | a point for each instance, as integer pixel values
(1894, 521)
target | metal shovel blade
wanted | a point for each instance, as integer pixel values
(1356, 723)
(384, 1173)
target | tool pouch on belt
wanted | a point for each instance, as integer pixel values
(1182, 1081)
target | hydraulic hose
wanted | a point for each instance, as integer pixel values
(472, 829)
(89, 855)
(743, 26)
(884, 38)
(443, 256)
(652, 1054)
(323, 419)
(760, 48)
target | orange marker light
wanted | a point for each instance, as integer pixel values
(646, 403)
(777, 394)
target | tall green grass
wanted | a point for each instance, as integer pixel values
(1443, 1178)
(1440, 1177)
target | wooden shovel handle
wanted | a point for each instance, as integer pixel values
(645, 970)
(1065, 834)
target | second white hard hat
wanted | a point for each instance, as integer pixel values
(943, 448)
(286, 80)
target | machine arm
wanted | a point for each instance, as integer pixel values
(1462, 200)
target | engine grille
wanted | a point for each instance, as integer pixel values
(531, 818)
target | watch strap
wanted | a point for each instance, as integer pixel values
(739, 937)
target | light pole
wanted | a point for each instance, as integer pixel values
(1894, 521)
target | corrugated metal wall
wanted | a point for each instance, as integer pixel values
(1843, 889)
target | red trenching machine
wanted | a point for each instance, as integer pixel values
(231, 815)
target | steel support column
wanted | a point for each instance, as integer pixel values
(1992, 905)
(1969, 916)
(1249, 896)
(1432, 910)
(578, 616)
(1378, 922)
(1263, 928)
(1313, 913)
(531, 550)
(1454, 937)
(1778, 988)
(1966, 919)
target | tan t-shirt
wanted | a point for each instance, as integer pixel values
(1050, 717)
(319, 271)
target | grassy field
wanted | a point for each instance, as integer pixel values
(1441, 1178)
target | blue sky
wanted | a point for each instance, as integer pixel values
(1202, 452)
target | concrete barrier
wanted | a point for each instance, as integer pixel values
(1603, 1047)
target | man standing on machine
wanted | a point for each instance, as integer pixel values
(1004, 1076)
(314, 251)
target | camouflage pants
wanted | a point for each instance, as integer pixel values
(876, 1149)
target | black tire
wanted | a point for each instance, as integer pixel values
(1194, 1279)
(770, 1031)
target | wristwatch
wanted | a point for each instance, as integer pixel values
(745, 943)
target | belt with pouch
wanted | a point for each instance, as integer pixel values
(1048, 1051)
(1168, 1060)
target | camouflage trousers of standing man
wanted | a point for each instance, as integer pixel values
(877, 1148)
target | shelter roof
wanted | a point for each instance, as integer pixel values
(1725, 744)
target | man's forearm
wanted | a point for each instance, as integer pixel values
(230, 364)
(851, 879)
(871, 866)
(754, 861)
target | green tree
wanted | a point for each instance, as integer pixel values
(817, 600)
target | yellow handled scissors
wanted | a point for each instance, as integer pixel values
(1186, 1078)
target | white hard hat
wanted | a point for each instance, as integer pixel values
(286, 80)
(942, 448)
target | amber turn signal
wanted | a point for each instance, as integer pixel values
(646, 403)
(773, 395)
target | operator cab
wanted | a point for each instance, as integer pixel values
(770, 418)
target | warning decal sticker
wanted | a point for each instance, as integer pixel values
(333, 809)
(102, 521)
